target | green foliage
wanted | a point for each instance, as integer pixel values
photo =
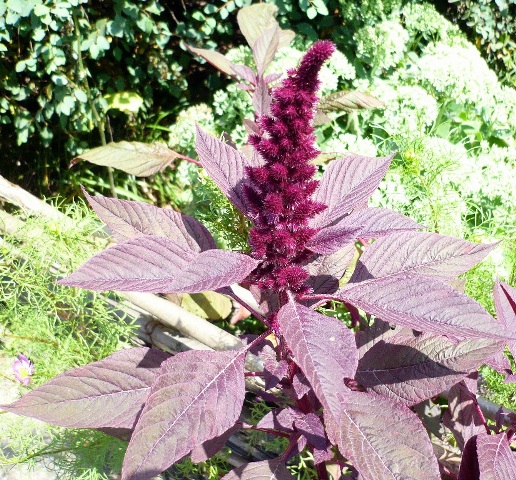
(492, 26)
(66, 65)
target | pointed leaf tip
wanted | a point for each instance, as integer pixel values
(159, 265)
(107, 393)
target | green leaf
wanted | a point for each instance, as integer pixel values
(311, 13)
(136, 158)
(210, 305)
(129, 102)
(80, 95)
(60, 80)
(320, 6)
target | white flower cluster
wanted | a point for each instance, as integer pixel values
(346, 143)
(382, 46)
(422, 19)
(182, 132)
(409, 109)
(458, 73)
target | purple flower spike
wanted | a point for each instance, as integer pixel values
(281, 190)
(23, 369)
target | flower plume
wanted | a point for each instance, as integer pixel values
(281, 190)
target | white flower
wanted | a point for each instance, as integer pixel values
(382, 46)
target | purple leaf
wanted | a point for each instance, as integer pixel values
(225, 166)
(197, 396)
(274, 372)
(413, 369)
(326, 270)
(347, 184)
(462, 416)
(311, 427)
(505, 304)
(323, 347)
(496, 460)
(469, 462)
(159, 265)
(128, 219)
(272, 77)
(363, 430)
(244, 72)
(332, 239)
(265, 470)
(420, 253)
(265, 48)
(218, 60)
(378, 222)
(261, 98)
(107, 393)
(424, 304)
(300, 385)
(279, 419)
(211, 447)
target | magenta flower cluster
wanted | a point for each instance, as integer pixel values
(23, 369)
(281, 192)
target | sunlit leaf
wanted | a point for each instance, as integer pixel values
(347, 183)
(107, 393)
(128, 219)
(264, 470)
(159, 265)
(361, 431)
(136, 158)
(197, 396)
(348, 101)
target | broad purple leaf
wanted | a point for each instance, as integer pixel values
(136, 158)
(469, 462)
(347, 184)
(311, 427)
(505, 304)
(107, 393)
(265, 48)
(413, 369)
(424, 304)
(211, 447)
(274, 372)
(244, 72)
(218, 60)
(326, 270)
(323, 347)
(197, 396)
(378, 222)
(363, 431)
(462, 416)
(300, 385)
(496, 460)
(332, 239)
(128, 219)
(159, 265)
(420, 253)
(279, 419)
(225, 166)
(265, 470)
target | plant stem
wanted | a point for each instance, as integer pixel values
(322, 473)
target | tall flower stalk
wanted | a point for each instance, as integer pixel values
(280, 196)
